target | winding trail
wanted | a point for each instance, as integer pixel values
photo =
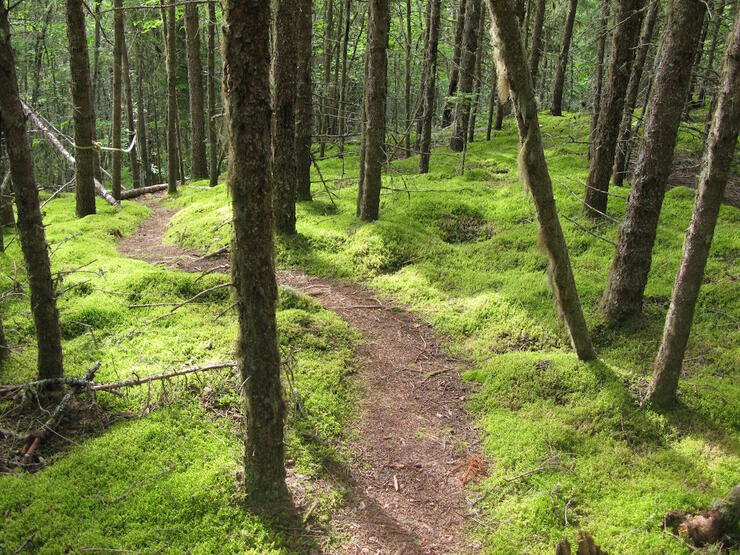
(411, 444)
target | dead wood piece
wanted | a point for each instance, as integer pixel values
(133, 193)
(709, 526)
(163, 376)
(586, 546)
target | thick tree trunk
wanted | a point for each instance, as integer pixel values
(133, 155)
(624, 140)
(247, 98)
(141, 126)
(173, 166)
(536, 48)
(557, 89)
(467, 74)
(431, 86)
(709, 73)
(30, 224)
(631, 265)
(304, 100)
(117, 93)
(212, 129)
(629, 19)
(599, 79)
(199, 163)
(717, 159)
(284, 159)
(534, 173)
(79, 63)
(376, 89)
(456, 60)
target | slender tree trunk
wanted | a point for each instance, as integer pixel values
(199, 163)
(133, 155)
(478, 76)
(337, 58)
(422, 81)
(117, 90)
(631, 265)
(284, 159)
(491, 102)
(173, 166)
(467, 74)
(533, 167)
(536, 50)
(456, 60)
(363, 123)
(696, 67)
(557, 89)
(141, 125)
(211, 84)
(304, 100)
(376, 86)
(408, 79)
(328, 26)
(343, 85)
(38, 53)
(625, 128)
(95, 85)
(30, 224)
(7, 218)
(431, 86)
(247, 97)
(599, 79)
(629, 19)
(709, 74)
(79, 63)
(157, 141)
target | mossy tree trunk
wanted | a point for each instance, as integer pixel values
(246, 89)
(467, 75)
(456, 60)
(30, 224)
(536, 48)
(629, 272)
(198, 160)
(304, 100)
(557, 90)
(431, 86)
(716, 165)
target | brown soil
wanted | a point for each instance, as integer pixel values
(411, 445)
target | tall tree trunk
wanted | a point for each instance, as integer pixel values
(696, 68)
(467, 74)
(157, 141)
(716, 165)
(133, 155)
(247, 98)
(342, 108)
(141, 126)
(431, 86)
(491, 102)
(633, 256)
(95, 85)
(456, 60)
(478, 76)
(79, 63)
(328, 26)
(709, 76)
(557, 89)
(625, 128)
(117, 89)
(173, 166)
(304, 100)
(30, 224)
(422, 80)
(534, 173)
(536, 49)
(629, 19)
(38, 53)
(199, 163)
(212, 129)
(408, 79)
(284, 160)
(599, 79)
(376, 89)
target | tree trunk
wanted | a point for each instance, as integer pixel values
(491, 102)
(247, 97)
(456, 60)
(599, 79)
(199, 163)
(133, 155)
(30, 224)
(536, 49)
(557, 89)
(212, 129)
(328, 26)
(304, 100)
(79, 63)
(629, 19)
(423, 80)
(467, 74)
(631, 265)
(173, 166)
(710, 526)
(430, 86)
(625, 128)
(717, 159)
(709, 74)
(342, 108)
(699, 52)
(117, 88)
(376, 89)
(408, 79)
(141, 126)
(534, 173)
(284, 159)
(478, 77)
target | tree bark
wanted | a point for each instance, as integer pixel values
(141, 126)
(710, 526)
(475, 102)
(629, 19)
(199, 162)
(173, 166)
(211, 84)
(536, 49)
(408, 80)
(709, 74)
(117, 93)
(376, 89)
(430, 86)
(715, 171)
(625, 128)
(328, 26)
(79, 63)
(534, 173)
(246, 92)
(133, 155)
(342, 108)
(599, 79)
(422, 80)
(304, 100)
(30, 224)
(467, 74)
(690, 104)
(557, 89)
(633, 256)
(456, 60)
(284, 159)
(492, 102)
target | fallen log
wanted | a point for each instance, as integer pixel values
(708, 527)
(133, 193)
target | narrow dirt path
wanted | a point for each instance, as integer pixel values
(411, 445)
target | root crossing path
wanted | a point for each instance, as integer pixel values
(411, 444)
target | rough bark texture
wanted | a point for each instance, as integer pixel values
(477, 81)
(212, 130)
(557, 89)
(407, 82)
(422, 80)
(117, 93)
(491, 102)
(246, 88)
(141, 126)
(79, 62)
(30, 224)
(625, 37)
(456, 59)
(328, 26)
(709, 73)
(284, 160)
(304, 101)
(599, 78)
(467, 75)
(536, 48)
(717, 159)
(173, 168)
(513, 70)
(133, 155)
(199, 163)
(431, 86)
(696, 68)
(633, 256)
(376, 89)
(625, 129)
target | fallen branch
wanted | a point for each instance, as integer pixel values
(326, 187)
(191, 299)
(133, 193)
(163, 376)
